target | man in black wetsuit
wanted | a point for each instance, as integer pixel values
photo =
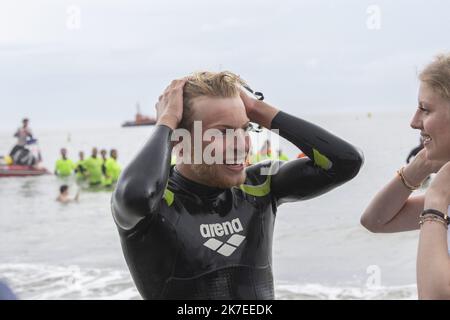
(204, 231)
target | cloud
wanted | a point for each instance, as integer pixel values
(312, 52)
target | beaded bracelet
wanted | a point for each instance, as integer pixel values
(431, 218)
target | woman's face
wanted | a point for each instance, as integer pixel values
(432, 118)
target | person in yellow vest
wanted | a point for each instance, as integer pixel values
(282, 156)
(93, 166)
(103, 154)
(105, 180)
(80, 168)
(264, 153)
(64, 167)
(112, 169)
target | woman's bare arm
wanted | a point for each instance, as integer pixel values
(392, 209)
(433, 261)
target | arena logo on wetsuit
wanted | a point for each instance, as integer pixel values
(223, 229)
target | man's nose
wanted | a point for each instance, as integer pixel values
(240, 143)
(243, 140)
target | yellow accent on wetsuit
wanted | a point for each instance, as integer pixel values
(259, 190)
(321, 160)
(168, 196)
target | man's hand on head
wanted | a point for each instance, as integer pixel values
(258, 111)
(249, 102)
(169, 108)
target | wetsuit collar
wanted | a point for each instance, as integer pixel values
(198, 189)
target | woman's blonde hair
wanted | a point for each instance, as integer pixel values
(437, 75)
(223, 84)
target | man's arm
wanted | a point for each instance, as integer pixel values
(141, 185)
(332, 161)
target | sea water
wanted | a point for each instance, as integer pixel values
(53, 251)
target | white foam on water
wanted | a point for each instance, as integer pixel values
(286, 291)
(40, 238)
(30, 281)
(43, 282)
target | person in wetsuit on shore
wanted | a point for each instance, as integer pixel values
(204, 231)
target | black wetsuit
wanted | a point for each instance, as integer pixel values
(183, 240)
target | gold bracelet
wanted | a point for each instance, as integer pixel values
(433, 219)
(422, 220)
(406, 184)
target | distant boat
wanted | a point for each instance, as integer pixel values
(23, 156)
(21, 171)
(140, 119)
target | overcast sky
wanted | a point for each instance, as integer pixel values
(86, 63)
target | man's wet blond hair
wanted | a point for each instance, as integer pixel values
(223, 84)
(437, 75)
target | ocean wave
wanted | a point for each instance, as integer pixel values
(44, 282)
(320, 292)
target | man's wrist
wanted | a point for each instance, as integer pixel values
(263, 114)
(169, 121)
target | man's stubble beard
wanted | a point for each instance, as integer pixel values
(210, 175)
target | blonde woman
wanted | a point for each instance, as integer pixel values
(394, 209)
